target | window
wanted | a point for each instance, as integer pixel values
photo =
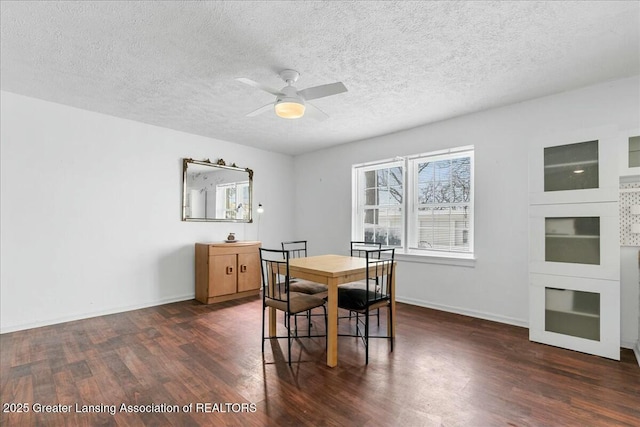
(380, 203)
(420, 204)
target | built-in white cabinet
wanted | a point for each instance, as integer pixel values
(629, 152)
(574, 252)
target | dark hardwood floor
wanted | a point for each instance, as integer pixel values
(446, 370)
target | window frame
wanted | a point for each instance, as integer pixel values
(358, 209)
(410, 205)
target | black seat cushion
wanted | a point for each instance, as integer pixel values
(355, 296)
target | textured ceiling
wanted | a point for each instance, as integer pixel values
(173, 63)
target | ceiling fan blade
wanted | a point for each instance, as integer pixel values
(315, 113)
(259, 86)
(261, 110)
(322, 91)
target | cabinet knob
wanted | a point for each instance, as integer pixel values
(229, 269)
(243, 268)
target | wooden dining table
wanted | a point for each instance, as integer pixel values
(333, 270)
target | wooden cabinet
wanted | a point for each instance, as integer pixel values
(226, 271)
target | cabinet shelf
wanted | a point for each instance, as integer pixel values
(572, 236)
(571, 164)
(575, 313)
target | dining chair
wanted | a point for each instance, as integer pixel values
(359, 249)
(277, 293)
(298, 249)
(376, 293)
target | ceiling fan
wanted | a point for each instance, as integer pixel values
(292, 103)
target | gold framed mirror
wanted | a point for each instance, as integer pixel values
(216, 192)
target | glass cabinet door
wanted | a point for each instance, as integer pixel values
(629, 149)
(576, 313)
(575, 239)
(572, 239)
(574, 168)
(634, 151)
(571, 312)
(571, 167)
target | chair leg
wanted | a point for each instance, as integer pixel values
(326, 328)
(289, 340)
(366, 337)
(263, 310)
(391, 325)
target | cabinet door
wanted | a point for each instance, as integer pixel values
(248, 271)
(629, 152)
(576, 313)
(576, 167)
(580, 239)
(222, 275)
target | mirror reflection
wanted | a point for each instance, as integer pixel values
(216, 192)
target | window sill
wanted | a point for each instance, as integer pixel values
(460, 260)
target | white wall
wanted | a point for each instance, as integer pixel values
(497, 286)
(629, 296)
(91, 217)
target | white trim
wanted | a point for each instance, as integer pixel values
(628, 345)
(470, 313)
(378, 162)
(444, 152)
(90, 314)
(460, 260)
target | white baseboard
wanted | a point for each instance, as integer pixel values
(500, 319)
(465, 312)
(79, 316)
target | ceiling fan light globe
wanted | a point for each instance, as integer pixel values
(289, 109)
